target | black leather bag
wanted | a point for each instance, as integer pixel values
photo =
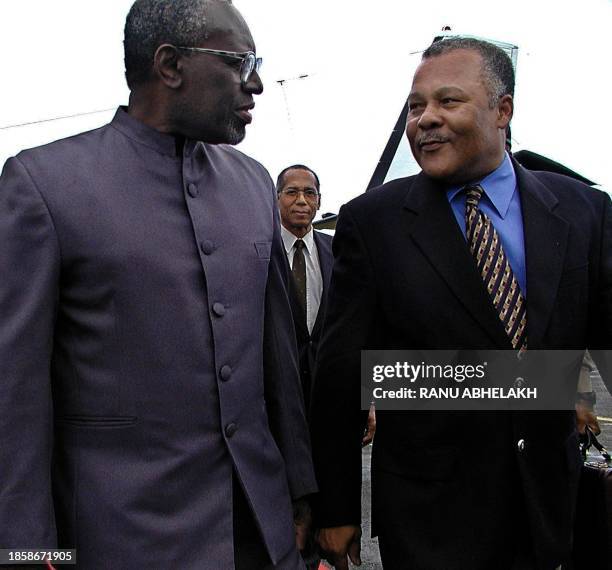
(593, 523)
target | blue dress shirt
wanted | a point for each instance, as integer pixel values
(502, 204)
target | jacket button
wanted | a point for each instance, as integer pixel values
(520, 445)
(207, 247)
(226, 373)
(193, 191)
(230, 429)
(219, 310)
(519, 382)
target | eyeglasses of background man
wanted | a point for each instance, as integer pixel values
(310, 194)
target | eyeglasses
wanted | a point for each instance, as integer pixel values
(309, 194)
(250, 62)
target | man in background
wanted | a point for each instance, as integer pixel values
(150, 407)
(475, 252)
(310, 257)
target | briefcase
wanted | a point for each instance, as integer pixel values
(593, 523)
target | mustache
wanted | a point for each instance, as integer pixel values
(431, 138)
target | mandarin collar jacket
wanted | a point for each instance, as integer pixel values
(147, 353)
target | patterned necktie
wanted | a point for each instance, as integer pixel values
(299, 271)
(495, 270)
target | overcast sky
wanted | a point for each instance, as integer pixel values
(65, 57)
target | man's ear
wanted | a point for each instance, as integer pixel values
(168, 66)
(319, 201)
(505, 110)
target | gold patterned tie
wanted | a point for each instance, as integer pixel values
(495, 270)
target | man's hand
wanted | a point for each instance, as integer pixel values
(370, 430)
(337, 542)
(302, 519)
(585, 416)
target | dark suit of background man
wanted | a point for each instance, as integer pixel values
(151, 413)
(458, 490)
(299, 198)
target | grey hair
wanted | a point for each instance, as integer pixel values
(496, 64)
(151, 23)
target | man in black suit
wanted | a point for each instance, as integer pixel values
(310, 257)
(459, 490)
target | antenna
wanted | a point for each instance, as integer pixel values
(282, 82)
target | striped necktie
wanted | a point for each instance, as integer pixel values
(495, 270)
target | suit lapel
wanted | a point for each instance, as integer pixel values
(430, 223)
(326, 260)
(546, 237)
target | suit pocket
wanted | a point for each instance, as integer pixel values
(97, 422)
(263, 249)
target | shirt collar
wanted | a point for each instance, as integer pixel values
(289, 239)
(136, 130)
(499, 187)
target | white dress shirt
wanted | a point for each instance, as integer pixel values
(314, 278)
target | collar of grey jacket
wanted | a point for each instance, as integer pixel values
(164, 143)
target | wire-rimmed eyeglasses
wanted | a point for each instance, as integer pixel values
(293, 193)
(250, 62)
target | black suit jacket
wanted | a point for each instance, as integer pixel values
(308, 343)
(456, 482)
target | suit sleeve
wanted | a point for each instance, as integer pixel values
(600, 341)
(336, 418)
(29, 270)
(283, 390)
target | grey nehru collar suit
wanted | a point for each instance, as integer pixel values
(146, 352)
